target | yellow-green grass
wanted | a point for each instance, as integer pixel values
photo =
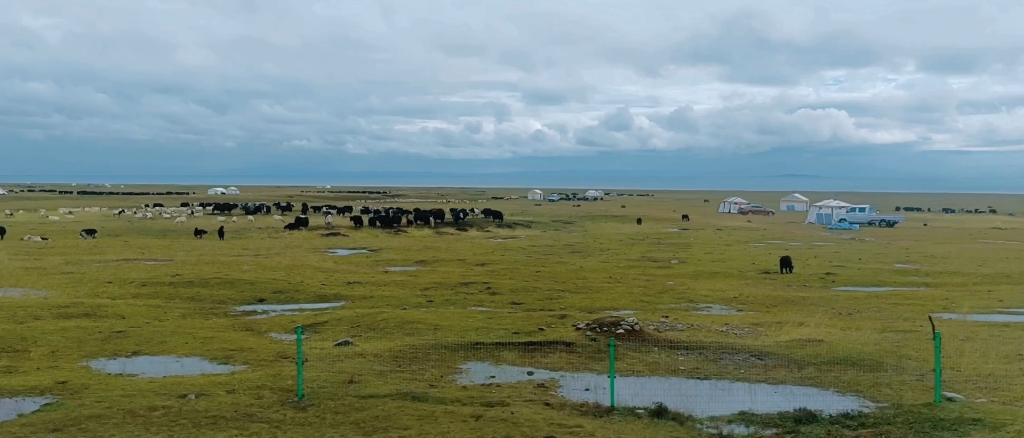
(413, 329)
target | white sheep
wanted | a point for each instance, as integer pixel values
(278, 218)
(179, 220)
(139, 216)
(250, 219)
(221, 219)
(166, 216)
(234, 219)
(69, 216)
(149, 215)
(54, 218)
(42, 213)
(8, 213)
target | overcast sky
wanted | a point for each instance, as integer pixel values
(911, 89)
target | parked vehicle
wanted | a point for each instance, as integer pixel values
(756, 209)
(868, 215)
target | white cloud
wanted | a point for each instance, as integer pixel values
(461, 79)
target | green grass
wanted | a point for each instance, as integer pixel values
(572, 264)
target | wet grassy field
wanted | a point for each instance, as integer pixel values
(146, 287)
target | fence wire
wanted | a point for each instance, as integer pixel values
(704, 377)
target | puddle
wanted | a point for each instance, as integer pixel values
(345, 252)
(508, 239)
(980, 317)
(482, 309)
(822, 243)
(999, 241)
(677, 230)
(286, 336)
(14, 292)
(269, 310)
(901, 265)
(160, 366)
(715, 309)
(700, 398)
(876, 289)
(11, 408)
(402, 268)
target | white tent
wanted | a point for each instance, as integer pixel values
(216, 191)
(535, 195)
(731, 205)
(824, 212)
(794, 202)
(3, 192)
(233, 191)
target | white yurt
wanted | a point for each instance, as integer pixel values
(216, 191)
(233, 191)
(824, 212)
(794, 202)
(731, 205)
(535, 195)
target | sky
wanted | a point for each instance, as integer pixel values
(873, 95)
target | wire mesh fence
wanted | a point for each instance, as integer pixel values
(703, 377)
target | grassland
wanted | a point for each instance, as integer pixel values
(562, 264)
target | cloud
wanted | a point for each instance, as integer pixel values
(459, 80)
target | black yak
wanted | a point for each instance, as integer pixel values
(785, 265)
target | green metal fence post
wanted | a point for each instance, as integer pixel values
(611, 372)
(300, 392)
(938, 367)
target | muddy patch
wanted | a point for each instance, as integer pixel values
(11, 408)
(347, 252)
(982, 317)
(700, 398)
(260, 311)
(875, 289)
(17, 292)
(160, 366)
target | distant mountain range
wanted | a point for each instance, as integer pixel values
(796, 175)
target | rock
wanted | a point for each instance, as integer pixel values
(626, 327)
(191, 397)
(953, 397)
(636, 327)
(620, 331)
(345, 342)
(404, 308)
(541, 328)
(588, 334)
(675, 261)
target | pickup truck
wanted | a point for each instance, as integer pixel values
(868, 215)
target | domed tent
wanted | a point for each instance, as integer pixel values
(824, 212)
(731, 205)
(216, 191)
(794, 202)
(535, 195)
(233, 191)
